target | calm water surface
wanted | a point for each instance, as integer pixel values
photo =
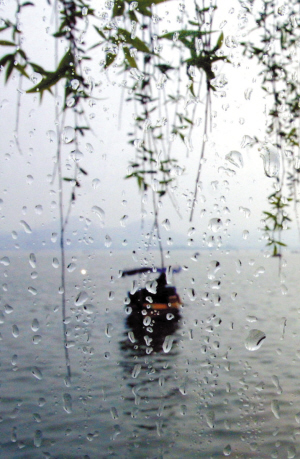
(207, 397)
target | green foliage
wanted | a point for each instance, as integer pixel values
(276, 221)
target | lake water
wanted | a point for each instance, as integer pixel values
(207, 397)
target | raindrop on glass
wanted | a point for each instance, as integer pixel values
(254, 340)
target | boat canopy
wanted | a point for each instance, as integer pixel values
(131, 272)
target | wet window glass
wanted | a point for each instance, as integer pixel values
(149, 255)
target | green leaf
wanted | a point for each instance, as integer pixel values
(135, 42)
(131, 61)
(7, 43)
(219, 42)
(6, 58)
(109, 59)
(119, 8)
(21, 69)
(185, 33)
(9, 69)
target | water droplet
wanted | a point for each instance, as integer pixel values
(29, 179)
(98, 211)
(108, 329)
(71, 267)
(35, 325)
(54, 237)
(136, 370)
(32, 290)
(248, 93)
(235, 158)
(254, 340)
(36, 417)
(36, 372)
(76, 155)
(38, 209)
(210, 419)
(5, 261)
(131, 336)
(123, 221)
(227, 450)
(81, 299)
(67, 403)
(271, 160)
(36, 339)
(245, 234)
(168, 343)
(38, 438)
(26, 227)
(213, 267)
(41, 401)
(166, 224)
(55, 263)
(275, 408)
(215, 224)
(88, 309)
(8, 309)
(32, 260)
(231, 41)
(291, 452)
(15, 331)
(114, 413)
(251, 318)
(96, 183)
(170, 316)
(259, 271)
(51, 136)
(192, 294)
(75, 85)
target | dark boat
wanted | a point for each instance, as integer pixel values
(161, 300)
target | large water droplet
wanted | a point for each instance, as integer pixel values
(271, 160)
(55, 263)
(36, 372)
(26, 227)
(81, 299)
(98, 211)
(32, 260)
(254, 340)
(136, 370)
(215, 224)
(35, 325)
(8, 309)
(76, 155)
(15, 331)
(96, 183)
(168, 343)
(67, 403)
(227, 450)
(210, 419)
(5, 261)
(235, 158)
(213, 267)
(68, 134)
(166, 224)
(275, 408)
(38, 438)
